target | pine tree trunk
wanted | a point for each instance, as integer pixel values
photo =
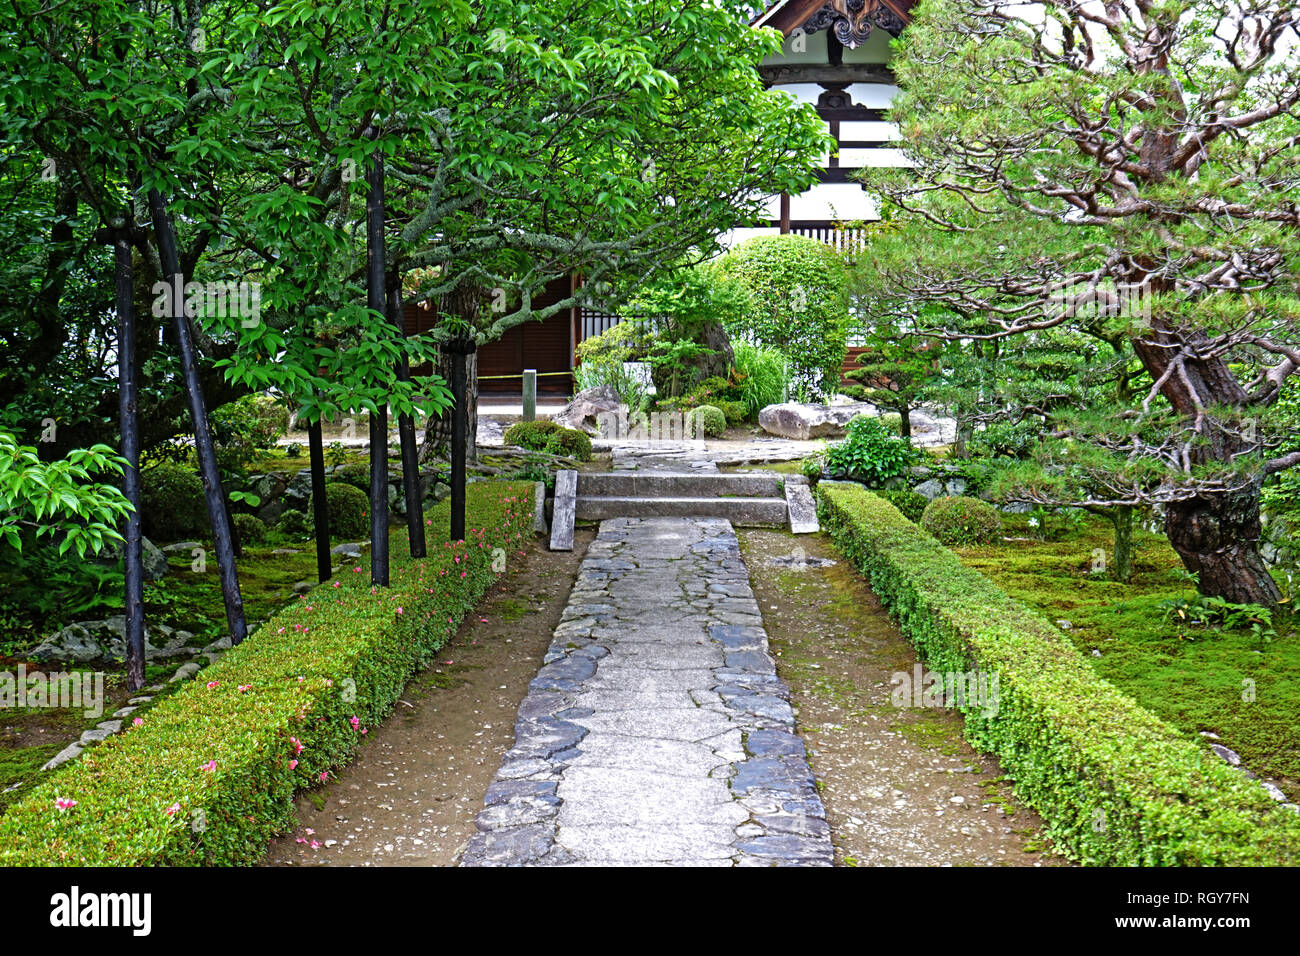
(1215, 533)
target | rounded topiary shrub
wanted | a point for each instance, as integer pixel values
(531, 435)
(908, 502)
(960, 521)
(349, 511)
(707, 421)
(797, 305)
(570, 442)
(171, 503)
(293, 524)
(356, 474)
(250, 528)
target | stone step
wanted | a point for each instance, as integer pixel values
(755, 511)
(631, 484)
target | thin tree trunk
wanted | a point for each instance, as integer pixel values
(1122, 518)
(905, 421)
(128, 390)
(460, 350)
(319, 502)
(376, 300)
(406, 433)
(217, 515)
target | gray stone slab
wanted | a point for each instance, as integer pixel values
(803, 510)
(564, 510)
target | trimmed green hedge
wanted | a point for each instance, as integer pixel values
(276, 713)
(1116, 785)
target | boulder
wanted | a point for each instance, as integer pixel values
(152, 557)
(804, 421)
(583, 412)
(103, 641)
(930, 489)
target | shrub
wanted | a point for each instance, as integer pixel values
(356, 474)
(532, 435)
(604, 360)
(570, 442)
(707, 421)
(547, 436)
(1115, 785)
(1005, 440)
(761, 373)
(870, 453)
(959, 520)
(910, 504)
(250, 528)
(284, 709)
(348, 510)
(171, 503)
(797, 305)
(294, 524)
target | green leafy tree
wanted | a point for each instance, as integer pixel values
(1128, 167)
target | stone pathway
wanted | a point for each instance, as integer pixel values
(657, 731)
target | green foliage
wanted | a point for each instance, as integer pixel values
(569, 442)
(706, 421)
(172, 505)
(909, 504)
(283, 711)
(349, 511)
(532, 434)
(294, 525)
(41, 589)
(1207, 612)
(1115, 785)
(356, 474)
(870, 453)
(1004, 439)
(602, 360)
(797, 305)
(959, 520)
(763, 377)
(545, 435)
(59, 499)
(250, 528)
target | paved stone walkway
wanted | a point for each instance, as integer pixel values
(657, 731)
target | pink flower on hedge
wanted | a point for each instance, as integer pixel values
(324, 775)
(138, 722)
(297, 744)
(399, 610)
(65, 803)
(354, 721)
(336, 583)
(213, 684)
(245, 688)
(174, 809)
(210, 766)
(293, 765)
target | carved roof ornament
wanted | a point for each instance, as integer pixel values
(853, 20)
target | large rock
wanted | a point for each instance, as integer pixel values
(152, 557)
(103, 641)
(584, 411)
(805, 421)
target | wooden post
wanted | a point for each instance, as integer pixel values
(165, 237)
(319, 502)
(785, 213)
(530, 394)
(376, 300)
(406, 434)
(128, 398)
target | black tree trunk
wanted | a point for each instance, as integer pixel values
(319, 503)
(129, 394)
(217, 514)
(1217, 536)
(376, 300)
(406, 433)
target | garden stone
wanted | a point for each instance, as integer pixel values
(219, 645)
(957, 486)
(112, 726)
(802, 422)
(94, 736)
(1274, 791)
(153, 558)
(352, 550)
(125, 711)
(185, 671)
(931, 489)
(64, 755)
(102, 641)
(1231, 756)
(302, 587)
(287, 551)
(583, 413)
(181, 547)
